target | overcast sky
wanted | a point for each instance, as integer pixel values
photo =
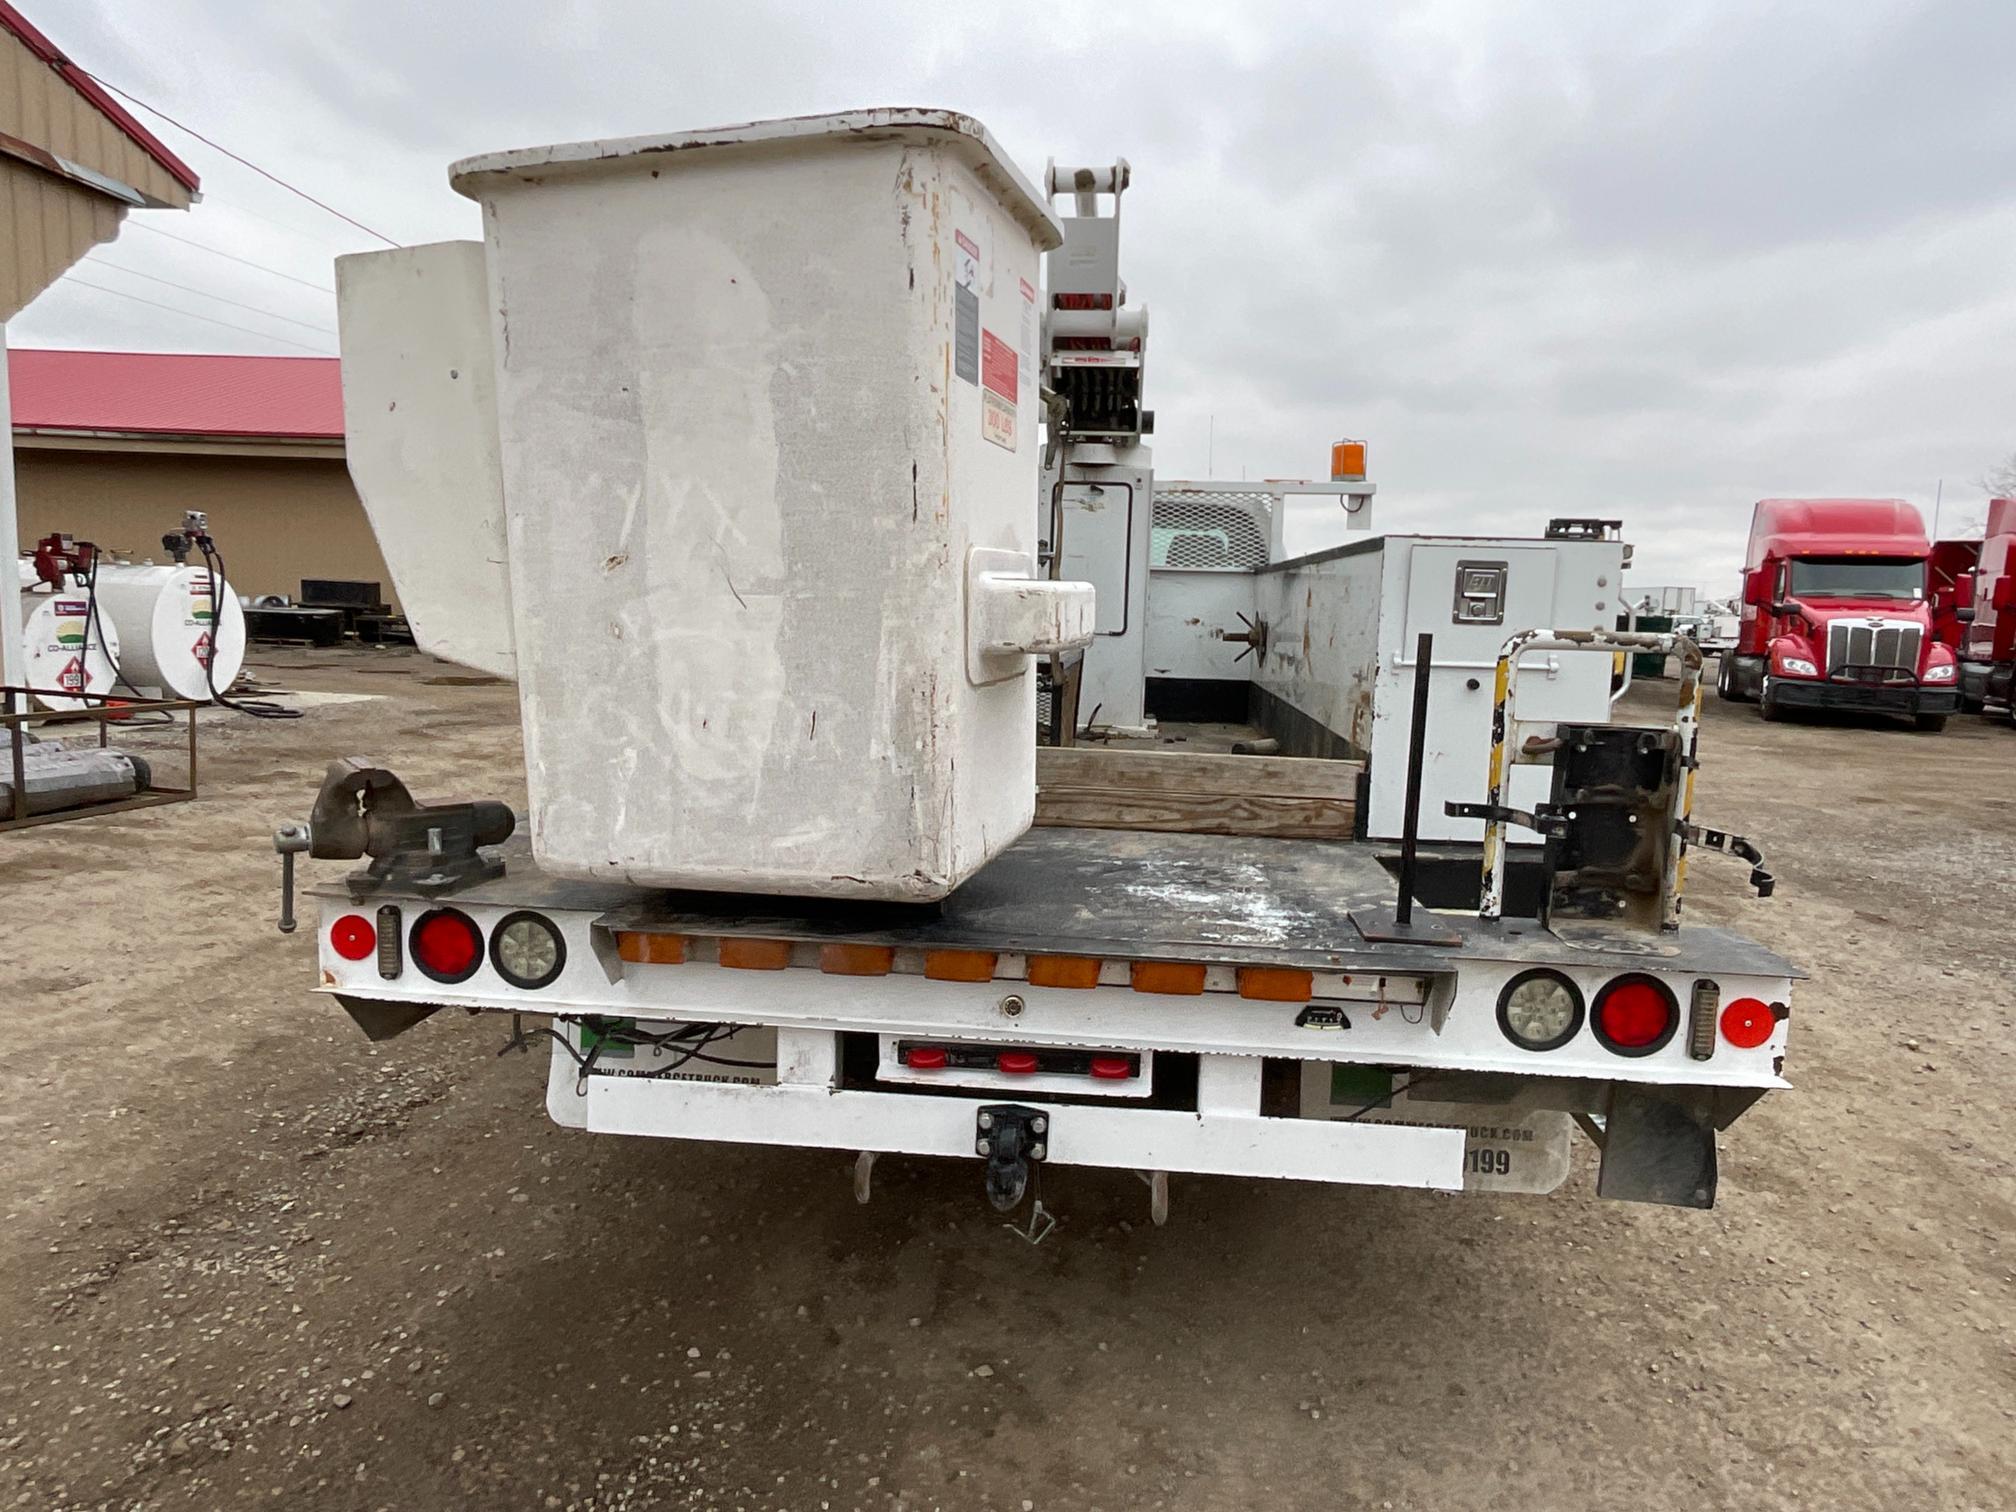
(1632, 260)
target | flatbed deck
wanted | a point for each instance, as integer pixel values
(1231, 900)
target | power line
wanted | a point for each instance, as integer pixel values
(192, 315)
(306, 325)
(247, 162)
(229, 256)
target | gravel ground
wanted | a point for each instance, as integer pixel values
(250, 1259)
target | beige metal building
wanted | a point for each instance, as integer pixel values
(112, 447)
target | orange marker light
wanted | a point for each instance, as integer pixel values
(856, 960)
(1347, 462)
(651, 949)
(1175, 977)
(1063, 971)
(960, 965)
(755, 955)
(1276, 984)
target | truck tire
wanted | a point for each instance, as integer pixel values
(1768, 705)
(1931, 724)
(1725, 686)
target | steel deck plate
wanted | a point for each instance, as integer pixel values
(1223, 899)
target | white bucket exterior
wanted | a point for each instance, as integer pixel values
(761, 390)
(168, 624)
(64, 651)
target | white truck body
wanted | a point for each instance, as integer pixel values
(780, 884)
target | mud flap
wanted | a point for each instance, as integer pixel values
(1659, 1146)
(383, 1021)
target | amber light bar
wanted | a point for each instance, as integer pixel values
(1261, 984)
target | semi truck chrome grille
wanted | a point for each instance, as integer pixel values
(1865, 643)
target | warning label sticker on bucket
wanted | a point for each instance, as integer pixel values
(998, 369)
(997, 419)
(966, 308)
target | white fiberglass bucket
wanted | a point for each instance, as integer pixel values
(169, 625)
(767, 410)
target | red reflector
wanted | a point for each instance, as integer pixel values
(352, 937)
(1016, 1062)
(1112, 1067)
(924, 1058)
(447, 945)
(1634, 1014)
(1747, 1023)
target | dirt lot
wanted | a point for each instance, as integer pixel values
(249, 1259)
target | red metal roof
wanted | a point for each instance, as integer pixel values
(177, 393)
(93, 91)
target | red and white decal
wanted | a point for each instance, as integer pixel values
(966, 271)
(202, 649)
(997, 365)
(71, 678)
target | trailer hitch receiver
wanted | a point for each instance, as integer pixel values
(1010, 1137)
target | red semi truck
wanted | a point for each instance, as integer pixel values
(1988, 644)
(1836, 614)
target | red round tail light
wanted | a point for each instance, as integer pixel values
(1747, 1023)
(925, 1058)
(1112, 1067)
(1016, 1062)
(447, 945)
(1636, 1015)
(352, 937)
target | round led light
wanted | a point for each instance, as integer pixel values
(527, 950)
(352, 937)
(1636, 1015)
(446, 944)
(1540, 1010)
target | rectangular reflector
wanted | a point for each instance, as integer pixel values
(959, 965)
(1276, 984)
(856, 960)
(1167, 976)
(1063, 971)
(755, 955)
(651, 949)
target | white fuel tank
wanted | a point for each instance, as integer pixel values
(65, 652)
(168, 625)
(767, 412)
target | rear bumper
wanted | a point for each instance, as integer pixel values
(1218, 1142)
(1861, 698)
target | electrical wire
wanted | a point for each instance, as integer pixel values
(1386, 1097)
(306, 325)
(220, 583)
(193, 315)
(244, 162)
(139, 225)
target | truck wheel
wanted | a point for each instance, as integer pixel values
(1931, 724)
(1768, 705)
(1725, 686)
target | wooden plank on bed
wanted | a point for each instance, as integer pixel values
(1098, 788)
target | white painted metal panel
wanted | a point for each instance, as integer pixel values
(1187, 610)
(1342, 632)
(1097, 517)
(759, 396)
(420, 437)
(1141, 1139)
